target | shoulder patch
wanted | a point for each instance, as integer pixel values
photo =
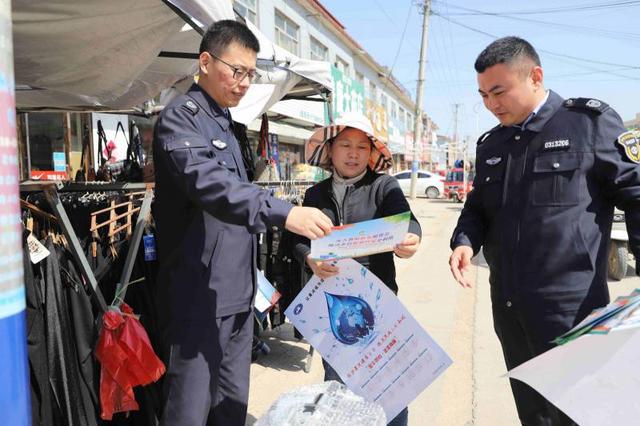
(587, 104)
(191, 106)
(630, 141)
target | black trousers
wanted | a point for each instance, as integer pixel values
(525, 335)
(207, 379)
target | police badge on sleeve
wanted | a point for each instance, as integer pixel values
(631, 142)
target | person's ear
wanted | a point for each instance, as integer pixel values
(537, 76)
(203, 61)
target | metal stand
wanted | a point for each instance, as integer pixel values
(309, 360)
(51, 193)
(141, 223)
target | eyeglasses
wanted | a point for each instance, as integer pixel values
(239, 74)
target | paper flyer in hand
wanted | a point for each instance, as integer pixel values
(362, 238)
(266, 296)
(365, 333)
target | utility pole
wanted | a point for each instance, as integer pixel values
(417, 127)
(465, 181)
(456, 109)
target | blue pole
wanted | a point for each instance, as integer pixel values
(15, 408)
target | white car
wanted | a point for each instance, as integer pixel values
(429, 184)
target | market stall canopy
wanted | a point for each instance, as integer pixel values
(115, 55)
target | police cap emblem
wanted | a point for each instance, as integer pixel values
(493, 161)
(630, 141)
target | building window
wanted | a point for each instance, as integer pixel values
(383, 101)
(409, 121)
(372, 91)
(401, 115)
(359, 77)
(319, 51)
(287, 33)
(247, 9)
(394, 110)
(342, 65)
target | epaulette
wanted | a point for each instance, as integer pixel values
(586, 103)
(485, 135)
(191, 106)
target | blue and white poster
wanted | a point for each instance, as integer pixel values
(361, 328)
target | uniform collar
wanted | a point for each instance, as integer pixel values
(533, 113)
(545, 112)
(221, 115)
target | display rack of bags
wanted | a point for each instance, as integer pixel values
(67, 290)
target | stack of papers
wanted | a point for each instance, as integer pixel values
(620, 314)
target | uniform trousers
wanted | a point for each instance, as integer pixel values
(525, 335)
(208, 367)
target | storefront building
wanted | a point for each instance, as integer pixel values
(305, 28)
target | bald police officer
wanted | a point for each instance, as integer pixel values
(207, 215)
(547, 180)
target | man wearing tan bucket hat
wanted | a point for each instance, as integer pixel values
(356, 192)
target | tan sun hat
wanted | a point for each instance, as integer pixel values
(317, 148)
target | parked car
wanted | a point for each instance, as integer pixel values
(429, 184)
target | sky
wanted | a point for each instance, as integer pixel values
(588, 48)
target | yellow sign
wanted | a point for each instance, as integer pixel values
(378, 116)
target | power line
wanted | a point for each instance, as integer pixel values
(550, 10)
(438, 65)
(559, 55)
(564, 26)
(453, 51)
(404, 31)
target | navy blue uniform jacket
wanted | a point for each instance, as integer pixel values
(542, 206)
(206, 211)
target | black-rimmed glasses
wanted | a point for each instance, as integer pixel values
(239, 74)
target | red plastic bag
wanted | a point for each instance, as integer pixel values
(127, 360)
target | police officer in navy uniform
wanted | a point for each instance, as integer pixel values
(207, 216)
(547, 180)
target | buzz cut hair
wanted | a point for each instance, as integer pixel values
(512, 51)
(224, 32)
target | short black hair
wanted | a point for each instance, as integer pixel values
(222, 33)
(506, 50)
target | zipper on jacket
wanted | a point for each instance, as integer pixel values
(344, 204)
(337, 206)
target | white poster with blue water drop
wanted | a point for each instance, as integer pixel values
(361, 328)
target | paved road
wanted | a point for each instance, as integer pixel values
(473, 390)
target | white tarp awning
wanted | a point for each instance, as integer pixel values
(104, 55)
(287, 133)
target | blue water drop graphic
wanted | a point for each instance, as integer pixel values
(351, 318)
(350, 281)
